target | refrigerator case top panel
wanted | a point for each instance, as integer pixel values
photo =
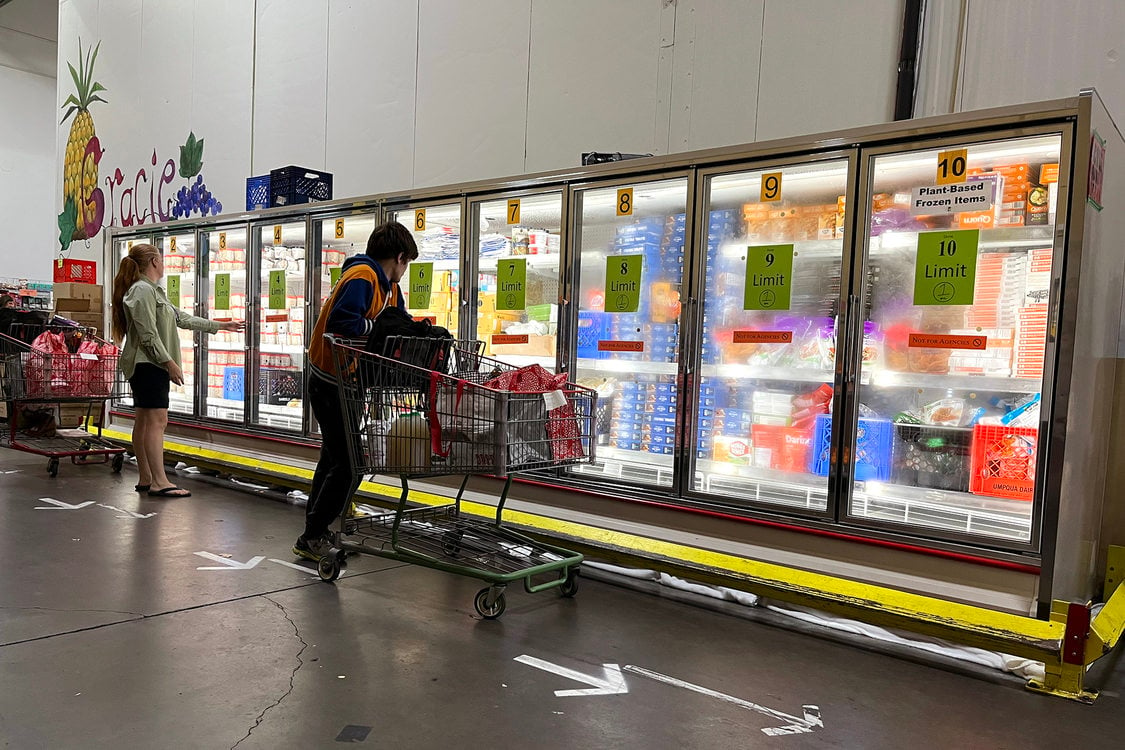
(437, 230)
(519, 246)
(228, 293)
(630, 247)
(955, 338)
(280, 333)
(770, 310)
(179, 253)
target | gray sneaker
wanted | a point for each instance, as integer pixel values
(313, 549)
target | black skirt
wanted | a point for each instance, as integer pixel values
(150, 384)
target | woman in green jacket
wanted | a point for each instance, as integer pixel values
(150, 359)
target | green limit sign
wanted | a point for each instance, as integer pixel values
(421, 284)
(277, 290)
(623, 283)
(945, 272)
(769, 277)
(222, 291)
(174, 290)
(511, 284)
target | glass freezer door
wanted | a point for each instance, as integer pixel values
(960, 260)
(518, 241)
(771, 295)
(437, 230)
(179, 285)
(224, 358)
(341, 237)
(121, 248)
(630, 244)
(280, 332)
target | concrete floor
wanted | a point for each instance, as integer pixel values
(111, 637)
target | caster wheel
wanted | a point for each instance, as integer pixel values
(328, 568)
(570, 587)
(53, 467)
(489, 613)
(118, 463)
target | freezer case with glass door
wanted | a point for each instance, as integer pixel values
(770, 298)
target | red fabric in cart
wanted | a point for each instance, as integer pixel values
(562, 427)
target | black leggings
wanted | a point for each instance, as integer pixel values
(334, 482)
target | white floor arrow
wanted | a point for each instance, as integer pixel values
(129, 513)
(227, 563)
(613, 683)
(295, 566)
(796, 725)
(60, 505)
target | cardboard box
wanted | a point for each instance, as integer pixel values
(536, 346)
(71, 304)
(73, 290)
(1048, 173)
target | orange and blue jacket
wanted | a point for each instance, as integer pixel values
(362, 292)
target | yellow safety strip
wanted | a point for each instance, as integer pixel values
(1031, 636)
(1107, 625)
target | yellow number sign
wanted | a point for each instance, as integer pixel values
(771, 188)
(514, 211)
(420, 220)
(625, 202)
(952, 166)
(339, 229)
(222, 240)
(277, 234)
(172, 245)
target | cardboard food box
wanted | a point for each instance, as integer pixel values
(74, 290)
(536, 346)
(71, 304)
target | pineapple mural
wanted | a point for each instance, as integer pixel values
(80, 174)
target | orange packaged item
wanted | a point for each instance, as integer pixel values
(1048, 173)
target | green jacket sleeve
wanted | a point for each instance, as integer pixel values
(192, 323)
(142, 313)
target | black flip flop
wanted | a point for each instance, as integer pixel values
(142, 487)
(167, 492)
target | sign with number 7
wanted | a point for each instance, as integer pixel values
(514, 211)
(511, 284)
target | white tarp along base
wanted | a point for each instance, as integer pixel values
(1024, 668)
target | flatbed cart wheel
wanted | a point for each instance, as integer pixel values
(489, 613)
(328, 568)
(118, 463)
(53, 467)
(570, 587)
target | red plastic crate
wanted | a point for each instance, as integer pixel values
(1003, 461)
(77, 271)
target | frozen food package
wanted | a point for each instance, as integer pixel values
(946, 412)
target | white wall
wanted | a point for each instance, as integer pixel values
(394, 94)
(1014, 52)
(27, 145)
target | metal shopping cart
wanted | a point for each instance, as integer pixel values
(45, 366)
(461, 418)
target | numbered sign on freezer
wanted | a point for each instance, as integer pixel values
(952, 166)
(174, 290)
(945, 272)
(222, 291)
(511, 284)
(623, 283)
(421, 283)
(277, 290)
(769, 277)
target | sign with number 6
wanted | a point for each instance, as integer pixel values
(420, 220)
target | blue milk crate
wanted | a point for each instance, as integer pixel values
(234, 383)
(591, 329)
(257, 192)
(874, 440)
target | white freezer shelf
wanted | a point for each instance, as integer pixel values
(765, 372)
(627, 366)
(885, 378)
(946, 510)
(549, 260)
(1003, 237)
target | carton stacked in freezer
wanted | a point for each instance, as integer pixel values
(1000, 290)
(644, 416)
(721, 227)
(995, 361)
(1031, 343)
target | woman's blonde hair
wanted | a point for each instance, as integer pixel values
(129, 271)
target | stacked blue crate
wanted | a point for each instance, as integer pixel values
(722, 225)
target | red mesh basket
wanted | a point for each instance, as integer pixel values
(1003, 461)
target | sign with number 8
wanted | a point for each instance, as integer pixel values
(625, 202)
